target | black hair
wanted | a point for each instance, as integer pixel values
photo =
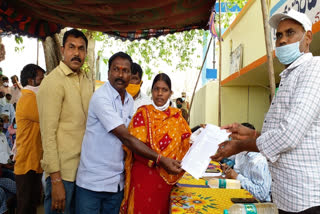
(4, 78)
(164, 77)
(75, 33)
(179, 99)
(250, 126)
(1, 120)
(29, 72)
(14, 76)
(121, 55)
(136, 68)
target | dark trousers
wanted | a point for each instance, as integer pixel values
(28, 192)
(312, 210)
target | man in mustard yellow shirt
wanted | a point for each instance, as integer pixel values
(63, 101)
(28, 144)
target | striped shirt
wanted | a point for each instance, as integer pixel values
(290, 137)
(253, 174)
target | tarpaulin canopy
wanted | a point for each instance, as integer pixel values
(127, 19)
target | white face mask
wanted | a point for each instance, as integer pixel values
(161, 108)
(287, 54)
(5, 84)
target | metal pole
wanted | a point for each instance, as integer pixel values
(220, 58)
(37, 52)
(195, 87)
(268, 47)
(214, 53)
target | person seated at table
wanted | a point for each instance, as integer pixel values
(11, 133)
(162, 128)
(7, 190)
(251, 169)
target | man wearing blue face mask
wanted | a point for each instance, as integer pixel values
(293, 36)
(290, 137)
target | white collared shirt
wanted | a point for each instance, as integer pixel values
(253, 174)
(101, 165)
(141, 99)
(5, 150)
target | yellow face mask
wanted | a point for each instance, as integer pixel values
(133, 89)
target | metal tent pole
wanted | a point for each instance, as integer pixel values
(195, 87)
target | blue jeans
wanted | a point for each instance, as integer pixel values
(69, 188)
(91, 202)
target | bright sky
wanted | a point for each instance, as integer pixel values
(182, 81)
(15, 61)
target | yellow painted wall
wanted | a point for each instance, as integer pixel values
(197, 112)
(247, 30)
(234, 104)
(205, 105)
(258, 105)
(244, 104)
(212, 96)
(238, 104)
(241, 103)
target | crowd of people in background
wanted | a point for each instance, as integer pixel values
(118, 150)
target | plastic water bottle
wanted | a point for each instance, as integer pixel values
(258, 208)
(224, 183)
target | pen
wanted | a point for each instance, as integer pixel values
(224, 171)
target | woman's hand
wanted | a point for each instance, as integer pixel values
(170, 165)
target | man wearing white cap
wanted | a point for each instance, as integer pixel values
(290, 137)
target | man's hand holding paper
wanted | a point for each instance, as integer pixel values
(197, 158)
(243, 139)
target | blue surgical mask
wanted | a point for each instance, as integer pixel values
(15, 126)
(288, 53)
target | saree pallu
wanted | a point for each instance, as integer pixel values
(148, 186)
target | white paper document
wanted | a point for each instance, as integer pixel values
(197, 158)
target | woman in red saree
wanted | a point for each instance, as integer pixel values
(162, 128)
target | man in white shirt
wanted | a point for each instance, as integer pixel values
(134, 87)
(5, 151)
(15, 90)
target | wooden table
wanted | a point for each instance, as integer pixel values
(194, 196)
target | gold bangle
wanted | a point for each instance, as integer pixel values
(158, 159)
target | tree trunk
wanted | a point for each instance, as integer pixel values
(52, 53)
(91, 57)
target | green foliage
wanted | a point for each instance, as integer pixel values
(227, 17)
(18, 39)
(85, 67)
(176, 50)
(19, 42)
